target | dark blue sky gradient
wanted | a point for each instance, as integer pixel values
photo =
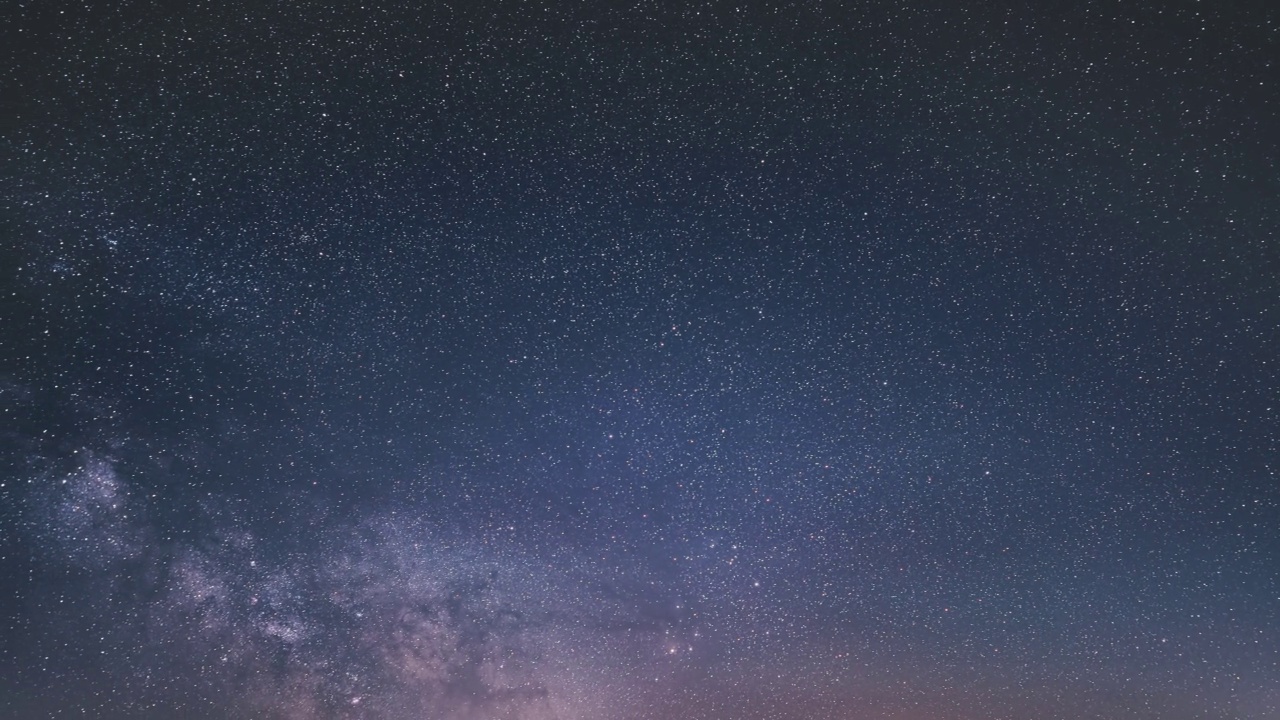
(533, 360)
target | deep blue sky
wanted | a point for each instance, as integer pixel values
(536, 360)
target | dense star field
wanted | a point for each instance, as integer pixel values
(616, 361)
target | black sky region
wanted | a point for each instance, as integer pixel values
(475, 360)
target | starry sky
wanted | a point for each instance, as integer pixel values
(638, 361)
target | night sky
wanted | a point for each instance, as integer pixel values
(575, 361)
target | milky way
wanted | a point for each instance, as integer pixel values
(541, 360)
